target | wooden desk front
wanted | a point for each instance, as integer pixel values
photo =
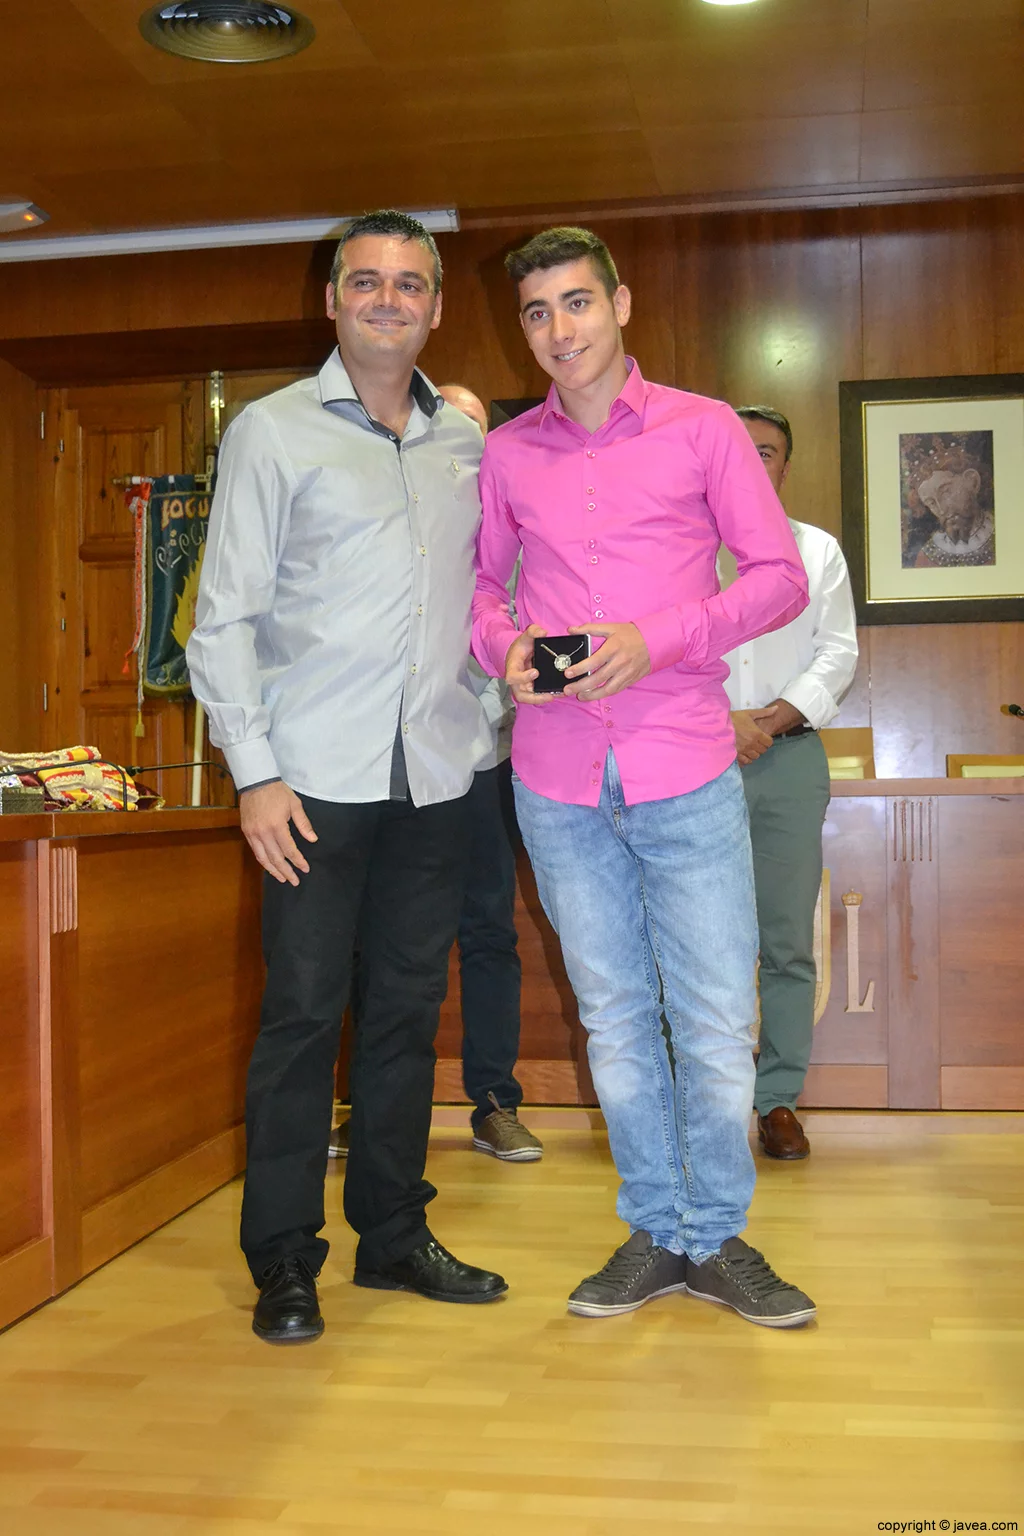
(131, 975)
(937, 939)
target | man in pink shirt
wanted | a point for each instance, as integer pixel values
(618, 494)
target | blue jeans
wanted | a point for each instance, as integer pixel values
(654, 908)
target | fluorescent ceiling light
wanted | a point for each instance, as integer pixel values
(207, 237)
(19, 213)
(729, 2)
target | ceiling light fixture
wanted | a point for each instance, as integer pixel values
(19, 213)
(130, 242)
(227, 31)
(729, 2)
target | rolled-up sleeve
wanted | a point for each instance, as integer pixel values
(771, 587)
(248, 525)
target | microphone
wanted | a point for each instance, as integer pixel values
(1012, 709)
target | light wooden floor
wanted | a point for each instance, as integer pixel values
(140, 1404)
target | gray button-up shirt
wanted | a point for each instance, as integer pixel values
(334, 604)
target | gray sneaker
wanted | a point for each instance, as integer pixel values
(635, 1273)
(504, 1136)
(738, 1276)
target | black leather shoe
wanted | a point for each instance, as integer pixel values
(432, 1271)
(287, 1311)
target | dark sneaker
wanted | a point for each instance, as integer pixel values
(502, 1136)
(432, 1271)
(288, 1311)
(338, 1144)
(738, 1276)
(635, 1274)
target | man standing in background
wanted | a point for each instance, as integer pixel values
(490, 972)
(330, 653)
(783, 687)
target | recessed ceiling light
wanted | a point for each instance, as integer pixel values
(227, 31)
(19, 213)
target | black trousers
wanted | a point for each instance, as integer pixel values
(489, 965)
(389, 877)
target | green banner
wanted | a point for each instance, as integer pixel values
(178, 515)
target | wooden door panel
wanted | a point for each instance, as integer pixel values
(108, 623)
(107, 433)
(106, 455)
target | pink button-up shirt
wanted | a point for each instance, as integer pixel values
(619, 525)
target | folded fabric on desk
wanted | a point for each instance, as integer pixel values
(75, 779)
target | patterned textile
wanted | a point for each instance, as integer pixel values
(75, 778)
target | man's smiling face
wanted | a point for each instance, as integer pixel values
(385, 304)
(572, 324)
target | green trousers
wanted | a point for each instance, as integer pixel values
(787, 796)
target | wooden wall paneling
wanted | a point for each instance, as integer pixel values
(913, 849)
(20, 676)
(65, 1073)
(929, 303)
(26, 1243)
(937, 688)
(769, 313)
(981, 897)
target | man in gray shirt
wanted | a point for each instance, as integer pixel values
(330, 653)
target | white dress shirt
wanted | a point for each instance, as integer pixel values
(334, 606)
(810, 662)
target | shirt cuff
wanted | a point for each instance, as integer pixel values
(812, 699)
(663, 636)
(251, 762)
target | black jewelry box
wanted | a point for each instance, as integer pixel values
(552, 654)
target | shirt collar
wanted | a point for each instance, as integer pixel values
(335, 385)
(633, 395)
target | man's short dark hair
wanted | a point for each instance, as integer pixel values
(554, 247)
(773, 417)
(387, 221)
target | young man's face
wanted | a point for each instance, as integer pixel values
(572, 325)
(770, 442)
(385, 305)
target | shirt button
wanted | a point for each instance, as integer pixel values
(597, 765)
(597, 597)
(598, 614)
(591, 543)
(405, 730)
(608, 723)
(607, 709)
(420, 608)
(414, 496)
(591, 506)
(593, 559)
(591, 454)
(746, 661)
(423, 549)
(593, 781)
(412, 669)
(590, 490)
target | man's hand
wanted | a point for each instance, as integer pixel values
(784, 716)
(266, 813)
(520, 671)
(622, 660)
(752, 739)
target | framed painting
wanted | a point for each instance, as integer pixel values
(933, 498)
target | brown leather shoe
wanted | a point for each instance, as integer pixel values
(782, 1135)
